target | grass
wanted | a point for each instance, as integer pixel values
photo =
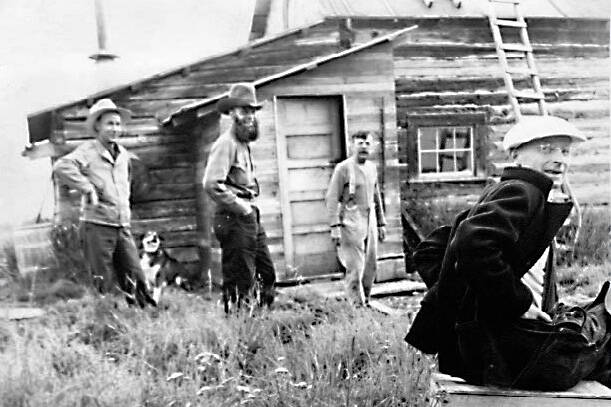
(316, 353)
(308, 351)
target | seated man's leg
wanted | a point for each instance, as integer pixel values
(99, 244)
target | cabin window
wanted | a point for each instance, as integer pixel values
(445, 151)
(446, 147)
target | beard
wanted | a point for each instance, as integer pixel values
(246, 131)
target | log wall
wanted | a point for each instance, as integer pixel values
(451, 66)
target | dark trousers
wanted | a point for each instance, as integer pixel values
(112, 257)
(245, 256)
(532, 354)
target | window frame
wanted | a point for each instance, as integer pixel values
(476, 121)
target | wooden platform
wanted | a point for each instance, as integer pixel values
(335, 289)
(454, 392)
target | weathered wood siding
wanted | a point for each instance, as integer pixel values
(450, 65)
(176, 207)
(365, 80)
(168, 204)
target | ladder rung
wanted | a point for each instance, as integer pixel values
(510, 23)
(528, 95)
(517, 71)
(517, 47)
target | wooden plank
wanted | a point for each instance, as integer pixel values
(449, 83)
(178, 223)
(455, 392)
(283, 176)
(391, 269)
(164, 209)
(182, 160)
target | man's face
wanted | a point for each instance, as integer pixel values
(246, 126)
(549, 155)
(108, 128)
(361, 147)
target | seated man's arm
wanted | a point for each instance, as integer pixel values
(486, 239)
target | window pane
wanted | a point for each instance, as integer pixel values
(427, 138)
(428, 162)
(463, 137)
(463, 161)
(446, 162)
(446, 139)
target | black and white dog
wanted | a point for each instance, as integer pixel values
(159, 268)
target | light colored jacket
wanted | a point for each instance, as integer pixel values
(229, 178)
(91, 167)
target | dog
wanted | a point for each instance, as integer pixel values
(159, 268)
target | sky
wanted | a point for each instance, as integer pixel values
(44, 61)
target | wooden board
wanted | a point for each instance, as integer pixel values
(454, 392)
(334, 289)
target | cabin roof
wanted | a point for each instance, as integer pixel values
(38, 123)
(199, 105)
(460, 8)
(272, 16)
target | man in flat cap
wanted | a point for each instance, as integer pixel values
(100, 170)
(490, 313)
(230, 181)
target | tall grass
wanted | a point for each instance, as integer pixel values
(592, 246)
(320, 353)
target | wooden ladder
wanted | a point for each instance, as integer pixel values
(523, 49)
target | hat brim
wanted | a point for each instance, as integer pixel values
(224, 105)
(125, 114)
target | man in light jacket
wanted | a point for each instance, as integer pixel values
(100, 170)
(357, 218)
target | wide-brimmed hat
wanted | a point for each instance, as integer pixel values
(240, 95)
(531, 128)
(104, 106)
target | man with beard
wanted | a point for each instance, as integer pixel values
(491, 313)
(100, 170)
(230, 181)
(357, 218)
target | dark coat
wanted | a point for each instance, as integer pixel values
(489, 248)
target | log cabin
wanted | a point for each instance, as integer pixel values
(449, 86)
(317, 90)
(328, 68)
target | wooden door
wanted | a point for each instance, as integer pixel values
(310, 142)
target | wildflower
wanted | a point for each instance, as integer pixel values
(281, 370)
(174, 376)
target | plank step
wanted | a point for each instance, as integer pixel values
(517, 47)
(454, 392)
(517, 71)
(510, 23)
(528, 95)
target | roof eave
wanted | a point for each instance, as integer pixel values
(289, 72)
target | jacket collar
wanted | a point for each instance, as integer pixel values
(105, 153)
(536, 178)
